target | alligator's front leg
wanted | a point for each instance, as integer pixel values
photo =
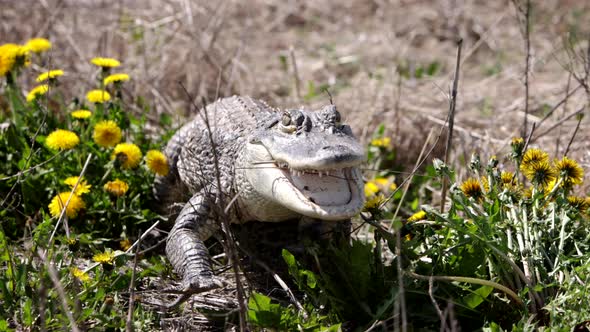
(187, 251)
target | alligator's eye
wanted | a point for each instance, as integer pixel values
(337, 118)
(299, 119)
(286, 120)
(287, 124)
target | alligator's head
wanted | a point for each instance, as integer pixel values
(308, 162)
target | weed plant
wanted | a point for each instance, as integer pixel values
(65, 268)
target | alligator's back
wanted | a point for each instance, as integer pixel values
(190, 152)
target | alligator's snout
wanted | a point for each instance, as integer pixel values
(338, 154)
(336, 148)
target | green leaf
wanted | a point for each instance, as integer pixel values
(4, 326)
(289, 259)
(27, 312)
(262, 313)
(432, 68)
(310, 278)
(419, 72)
(283, 61)
(259, 302)
(493, 328)
(474, 299)
(165, 120)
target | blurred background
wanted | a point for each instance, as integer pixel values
(384, 62)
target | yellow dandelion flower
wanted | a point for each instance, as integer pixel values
(392, 186)
(116, 78)
(371, 188)
(579, 203)
(83, 186)
(533, 156)
(81, 114)
(38, 45)
(58, 202)
(49, 75)
(125, 244)
(73, 244)
(157, 162)
(7, 58)
(472, 188)
(106, 257)
(540, 173)
(12, 56)
(37, 91)
(105, 62)
(383, 142)
(62, 140)
(79, 274)
(420, 215)
(385, 184)
(517, 141)
(128, 154)
(117, 188)
(550, 185)
(374, 202)
(107, 133)
(98, 96)
(381, 182)
(485, 183)
(508, 178)
(569, 170)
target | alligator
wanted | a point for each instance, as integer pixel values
(273, 165)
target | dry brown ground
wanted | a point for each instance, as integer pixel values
(219, 48)
(354, 47)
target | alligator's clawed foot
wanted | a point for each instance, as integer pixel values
(193, 286)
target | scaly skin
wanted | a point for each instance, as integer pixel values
(282, 164)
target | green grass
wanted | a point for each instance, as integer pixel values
(509, 252)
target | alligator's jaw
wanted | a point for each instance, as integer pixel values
(334, 196)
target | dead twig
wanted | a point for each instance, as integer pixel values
(129, 322)
(452, 104)
(557, 124)
(526, 12)
(65, 206)
(295, 73)
(563, 111)
(580, 116)
(225, 223)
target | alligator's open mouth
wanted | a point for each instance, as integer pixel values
(325, 188)
(328, 194)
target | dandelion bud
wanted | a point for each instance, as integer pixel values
(517, 145)
(475, 163)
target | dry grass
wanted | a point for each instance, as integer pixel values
(234, 47)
